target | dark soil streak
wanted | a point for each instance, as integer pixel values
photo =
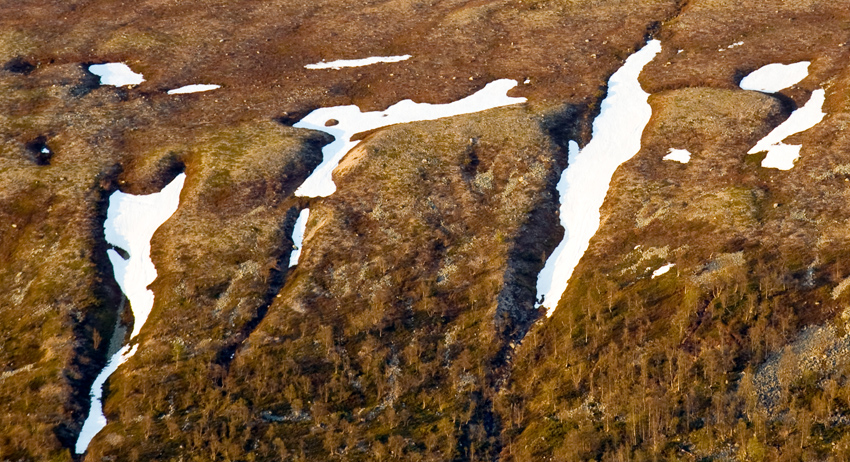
(277, 278)
(89, 359)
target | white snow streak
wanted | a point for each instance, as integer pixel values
(195, 88)
(775, 77)
(96, 420)
(783, 156)
(729, 47)
(352, 121)
(664, 269)
(130, 224)
(584, 184)
(678, 155)
(117, 74)
(340, 63)
(298, 236)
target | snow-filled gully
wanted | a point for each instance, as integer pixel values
(298, 236)
(584, 183)
(130, 223)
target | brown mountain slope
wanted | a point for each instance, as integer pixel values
(686, 365)
(408, 329)
(256, 51)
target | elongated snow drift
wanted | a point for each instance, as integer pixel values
(340, 63)
(130, 224)
(298, 236)
(583, 185)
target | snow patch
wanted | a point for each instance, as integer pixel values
(130, 224)
(349, 121)
(195, 88)
(678, 155)
(584, 184)
(340, 63)
(729, 47)
(117, 74)
(96, 420)
(298, 236)
(775, 77)
(663, 270)
(782, 156)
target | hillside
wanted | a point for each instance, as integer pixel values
(511, 230)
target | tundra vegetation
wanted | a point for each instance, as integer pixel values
(408, 330)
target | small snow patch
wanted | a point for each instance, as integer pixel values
(298, 236)
(117, 74)
(340, 63)
(192, 89)
(775, 77)
(663, 270)
(678, 155)
(782, 156)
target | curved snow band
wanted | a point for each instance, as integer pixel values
(583, 185)
(96, 420)
(352, 121)
(130, 224)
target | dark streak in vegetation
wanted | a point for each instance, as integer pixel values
(19, 66)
